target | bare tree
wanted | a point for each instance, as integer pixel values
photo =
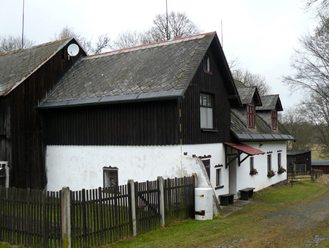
(102, 43)
(179, 24)
(319, 5)
(127, 39)
(311, 75)
(11, 43)
(250, 79)
(295, 121)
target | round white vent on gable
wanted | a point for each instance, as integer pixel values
(73, 50)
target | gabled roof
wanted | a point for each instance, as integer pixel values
(248, 94)
(156, 71)
(18, 65)
(262, 131)
(270, 102)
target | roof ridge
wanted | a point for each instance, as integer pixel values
(36, 46)
(150, 45)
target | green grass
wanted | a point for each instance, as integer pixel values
(244, 228)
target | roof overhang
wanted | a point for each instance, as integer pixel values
(240, 148)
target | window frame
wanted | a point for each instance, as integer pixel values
(251, 116)
(107, 171)
(218, 177)
(204, 107)
(269, 163)
(252, 165)
(206, 64)
(279, 160)
(274, 119)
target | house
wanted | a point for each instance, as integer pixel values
(299, 161)
(255, 124)
(321, 165)
(165, 109)
(26, 77)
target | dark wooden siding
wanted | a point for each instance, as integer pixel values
(324, 168)
(208, 83)
(143, 123)
(27, 167)
(5, 149)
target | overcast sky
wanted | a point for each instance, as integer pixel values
(261, 34)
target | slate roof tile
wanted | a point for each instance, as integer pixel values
(150, 68)
(15, 66)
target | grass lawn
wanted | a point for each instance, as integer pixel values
(244, 228)
(249, 227)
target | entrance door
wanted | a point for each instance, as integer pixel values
(233, 178)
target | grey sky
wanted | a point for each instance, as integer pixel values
(261, 33)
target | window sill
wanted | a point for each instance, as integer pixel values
(209, 130)
(219, 187)
(208, 72)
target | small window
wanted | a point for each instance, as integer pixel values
(269, 163)
(206, 164)
(274, 118)
(110, 176)
(251, 116)
(206, 111)
(252, 164)
(206, 63)
(218, 177)
(279, 161)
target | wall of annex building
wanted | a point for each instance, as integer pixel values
(82, 166)
(261, 180)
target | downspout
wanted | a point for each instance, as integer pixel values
(180, 101)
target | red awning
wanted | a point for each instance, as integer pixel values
(245, 148)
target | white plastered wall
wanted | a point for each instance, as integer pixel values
(260, 180)
(82, 166)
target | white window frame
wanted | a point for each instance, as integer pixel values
(206, 111)
(218, 177)
(110, 177)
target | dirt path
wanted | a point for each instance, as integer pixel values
(298, 219)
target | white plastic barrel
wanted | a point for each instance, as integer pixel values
(203, 204)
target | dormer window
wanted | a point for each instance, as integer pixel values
(206, 111)
(274, 118)
(251, 115)
(206, 63)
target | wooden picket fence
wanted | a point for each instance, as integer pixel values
(96, 217)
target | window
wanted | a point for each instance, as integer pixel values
(251, 116)
(252, 164)
(274, 118)
(279, 161)
(206, 111)
(206, 164)
(269, 163)
(110, 176)
(206, 63)
(218, 177)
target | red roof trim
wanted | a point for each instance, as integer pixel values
(150, 44)
(245, 148)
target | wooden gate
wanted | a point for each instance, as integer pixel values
(148, 207)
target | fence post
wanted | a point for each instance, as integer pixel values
(66, 217)
(132, 207)
(161, 201)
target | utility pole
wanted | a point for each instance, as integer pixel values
(23, 25)
(167, 28)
